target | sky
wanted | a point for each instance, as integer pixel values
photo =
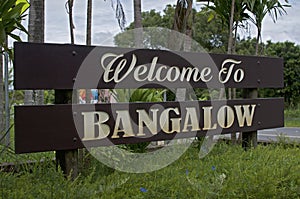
(105, 25)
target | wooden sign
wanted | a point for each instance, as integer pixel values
(61, 127)
(48, 66)
(73, 126)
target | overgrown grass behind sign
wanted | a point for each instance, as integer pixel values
(271, 171)
(292, 116)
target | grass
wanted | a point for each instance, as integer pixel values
(271, 171)
(292, 117)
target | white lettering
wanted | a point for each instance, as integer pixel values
(89, 121)
(225, 117)
(145, 119)
(164, 121)
(124, 118)
(207, 119)
(246, 115)
(228, 71)
(191, 115)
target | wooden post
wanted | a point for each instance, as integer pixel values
(67, 159)
(249, 139)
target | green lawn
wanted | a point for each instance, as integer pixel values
(271, 171)
(292, 117)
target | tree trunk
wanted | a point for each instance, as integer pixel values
(28, 97)
(230, 39)
(88, 40)
(1, 97)
(249, 139)
(36, 29)
(235, 37)
(70, 4)
(89, 23)
(138, 33)
(36, 21)
(67, 159)
(229, 51)
(182, 23)
(258, 40)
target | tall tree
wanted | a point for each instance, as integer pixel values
(260, 8)
(119, 13)
(89, 23)
(183, 22)
(36, 26)
(69, 8)
(138, 33)
(2, 114)
(11, 15)
(230, 12)
(231, 20)
(233, 14)
(89, 38)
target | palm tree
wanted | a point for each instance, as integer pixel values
(1, 97)
(119, 13)
(36, 34)
(138, 34)
(183, 21)
(89, 23)
(89, 38)
(69, 8)
(260, 8)
(11, 15)
(231, 14)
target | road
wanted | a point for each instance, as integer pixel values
(289, 133)
(277, 134)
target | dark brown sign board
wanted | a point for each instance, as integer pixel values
(59, 66)
(66, 127)
(69, 127)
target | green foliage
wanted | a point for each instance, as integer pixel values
(246, 46)
(214, 38)
(149, 19)
(138, 95)
(227, 172)
(49, 97)
(11, 14)
(211, 36)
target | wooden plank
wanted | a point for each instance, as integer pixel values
(61, 127)
(64, 66)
